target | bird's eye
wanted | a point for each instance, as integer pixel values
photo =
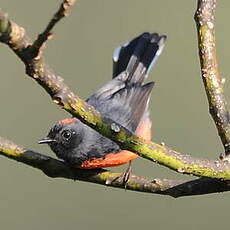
(66, 134)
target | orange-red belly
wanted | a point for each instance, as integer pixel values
(123, 157)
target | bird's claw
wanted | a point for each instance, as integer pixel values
(124, 177)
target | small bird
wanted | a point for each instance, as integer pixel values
(124, 99)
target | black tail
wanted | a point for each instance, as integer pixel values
(138, 56)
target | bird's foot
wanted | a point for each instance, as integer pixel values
(124, 177)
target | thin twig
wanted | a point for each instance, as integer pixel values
(212, 80)
(46, 34)
(56, 168)
(61, 94)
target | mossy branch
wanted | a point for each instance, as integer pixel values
(15, 37)
(55, 168)
(213, 83)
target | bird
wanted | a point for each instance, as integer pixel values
(124, 99)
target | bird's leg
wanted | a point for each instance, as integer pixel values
(126, 174)
(124, 177)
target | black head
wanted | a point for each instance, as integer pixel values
(64, 137)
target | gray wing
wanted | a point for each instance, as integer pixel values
(124, 104)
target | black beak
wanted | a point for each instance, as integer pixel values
(46, 140)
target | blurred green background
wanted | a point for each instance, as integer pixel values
(81, 52)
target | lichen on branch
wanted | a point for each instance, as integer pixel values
(213, 83)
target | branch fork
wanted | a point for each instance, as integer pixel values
(215, 174)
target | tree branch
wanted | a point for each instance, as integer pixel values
(56, 168)
(46, 34)
(213, 83)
